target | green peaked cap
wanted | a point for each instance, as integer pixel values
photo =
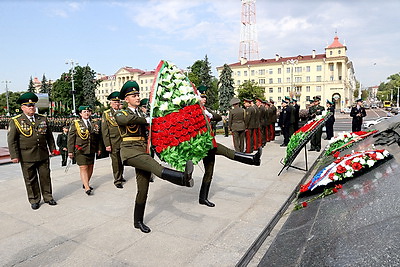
(27, 98)
(129, 88)
(114, 96)
(144, 101)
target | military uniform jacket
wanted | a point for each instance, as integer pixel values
(314, 111)
(284, 117)
(331, 118)
(30, 142)
(110, 130)
(296, 112)
(274, 114)
(292, 113)
(62, 141)
(354, 111)
(133, 132)
(263, 117)
(251, 118)
(269, 116)
(236, 119)
(82, 138)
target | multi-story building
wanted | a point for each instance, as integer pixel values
(114, 82)
(329, 76)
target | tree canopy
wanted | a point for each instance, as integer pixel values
(226, 89)
(250, 90)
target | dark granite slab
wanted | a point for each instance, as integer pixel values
(358, 226)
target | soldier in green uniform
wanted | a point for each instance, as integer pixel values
(112, 138)
(83, 144)
(29, 141)
(132, 124)
(236, 124)
(251, 125)
(313, 111)
(209, 160)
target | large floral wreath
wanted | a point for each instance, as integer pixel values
(338, 171)
(179, 129)
(345, 140)
(300, 136)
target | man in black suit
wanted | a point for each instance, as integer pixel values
(357, 113)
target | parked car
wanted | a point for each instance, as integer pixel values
(277, 129)
(374, 106)
(366, 106)
(395, 111)
(370, 123)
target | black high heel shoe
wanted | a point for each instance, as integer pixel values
(91, 188)
(88, 192)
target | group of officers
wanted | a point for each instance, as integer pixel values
(123, 133)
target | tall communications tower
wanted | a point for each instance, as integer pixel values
(248, 33)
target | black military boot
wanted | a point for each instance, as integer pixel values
(138, 218)
(249, 158)
(179, 178)
(203, 196)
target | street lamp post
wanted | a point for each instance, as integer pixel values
(292, 62)
(398, 97)
(73, 64)
(8, 106)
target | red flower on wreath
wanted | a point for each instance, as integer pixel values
(304, 204)
(341, 169)
(336, 155)
(331, 175)
(356, 166)
(334, 190)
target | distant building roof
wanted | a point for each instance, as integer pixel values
(335, 43)
(130, 69)
(279, 60)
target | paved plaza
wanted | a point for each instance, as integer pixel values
(98, 230)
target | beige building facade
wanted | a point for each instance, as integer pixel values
(114, 82)
(330, 76)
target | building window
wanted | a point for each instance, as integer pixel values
(279, 89)
(340, 78)
(271, 90)
(288, 89)
(340, 51)
(330, 53)
(270, 71)
(279, 98)
(238, 82)
(331, 78)
(308, 89)
(298, 89)
(279, 70)
(253, 72)
(141, 81)
(297, 79)
(318, 78)
(319, 67)
(279, 80)
(261, 72)
(308, 68)
(288, 70)
(238, 73)
(308, 79)
(331, 67)
(297, 69)
(318, 89)
(245, 73)
(271, 80)
(261, 81)
(308, 98)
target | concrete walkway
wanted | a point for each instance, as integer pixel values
(98, 230)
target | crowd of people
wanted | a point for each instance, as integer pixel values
(123, 133)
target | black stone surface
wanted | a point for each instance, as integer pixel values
(358, 226)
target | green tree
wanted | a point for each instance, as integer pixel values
(61, 93)
(12, 101)
(388, 90)
(226, 89)
(250, 90)
(44, 88)
(31, 87)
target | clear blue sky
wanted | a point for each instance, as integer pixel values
(39, 36)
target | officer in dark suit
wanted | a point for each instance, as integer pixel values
(62, 144)
(330, 121)
(262, 122)
(209, 160)
(313, 111)
(284, 122)
(112, 138)
(29, 142)
(132, 125)
(296, 114)
(236, 124)
(274, 118)
(357, 113)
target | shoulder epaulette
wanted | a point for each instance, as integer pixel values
(15, 117)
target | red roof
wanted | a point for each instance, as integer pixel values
(151, 72)
(335, 43)
(133, 70)
(281, 59)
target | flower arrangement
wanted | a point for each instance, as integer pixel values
(338, 171)
(345, 140)
(179, 130)
(300, 136)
